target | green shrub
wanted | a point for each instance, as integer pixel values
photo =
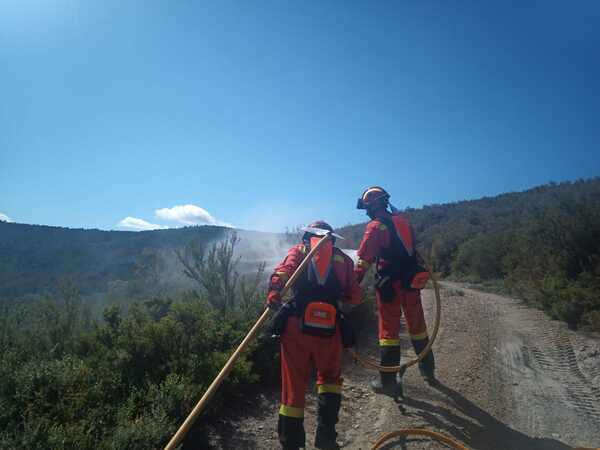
(130, 380)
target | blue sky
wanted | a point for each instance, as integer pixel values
(272, 114)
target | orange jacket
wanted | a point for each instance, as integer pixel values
(343, 268)
(377, 239)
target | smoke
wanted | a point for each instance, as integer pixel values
(255, 248)
(271, 248)
(252, 249)
(4, 218)
(351, 253)
(275, 217)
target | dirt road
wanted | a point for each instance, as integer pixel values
(510, 378)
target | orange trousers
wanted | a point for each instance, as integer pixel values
(407, 302)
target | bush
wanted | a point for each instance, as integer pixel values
(130, 380)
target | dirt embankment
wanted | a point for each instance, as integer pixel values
(510, 378)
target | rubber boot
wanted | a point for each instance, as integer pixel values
(327, 418)
(387, 383)
(291, 432)
(427, 364)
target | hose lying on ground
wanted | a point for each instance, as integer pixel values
(418, 432)
(434, 435)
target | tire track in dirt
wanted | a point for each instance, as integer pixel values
(539, 373)
(560, 360)
(510, 379)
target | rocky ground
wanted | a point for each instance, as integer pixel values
(510, 378)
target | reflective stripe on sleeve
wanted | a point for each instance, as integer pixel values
(331, 388)
(389, 342)
(291, 411)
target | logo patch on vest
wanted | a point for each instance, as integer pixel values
(320, 316)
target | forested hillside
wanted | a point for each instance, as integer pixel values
(542, 245)
(34, 258)
(126, 375)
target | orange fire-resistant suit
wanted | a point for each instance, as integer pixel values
(380, 246)
(328, 279)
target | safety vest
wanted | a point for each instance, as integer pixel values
(316, 295)
(398, 260)
(311, 285)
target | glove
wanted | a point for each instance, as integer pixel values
(274, 299)
(278, 322)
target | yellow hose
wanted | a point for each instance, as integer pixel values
(418, 432)
(370, 362)
(435, 436)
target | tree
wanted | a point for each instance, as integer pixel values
(213, 270)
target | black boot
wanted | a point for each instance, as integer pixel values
(291, 432)
(386, 382)
(427, 364)
(327, 417)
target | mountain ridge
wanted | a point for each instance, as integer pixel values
(35, 257)
(541, 244)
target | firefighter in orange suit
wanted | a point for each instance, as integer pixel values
(311, 337)
(389, 242)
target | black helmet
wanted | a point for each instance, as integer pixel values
(373, 197)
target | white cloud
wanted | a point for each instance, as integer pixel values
(139, 224)
(4, 218)
(189, 215)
